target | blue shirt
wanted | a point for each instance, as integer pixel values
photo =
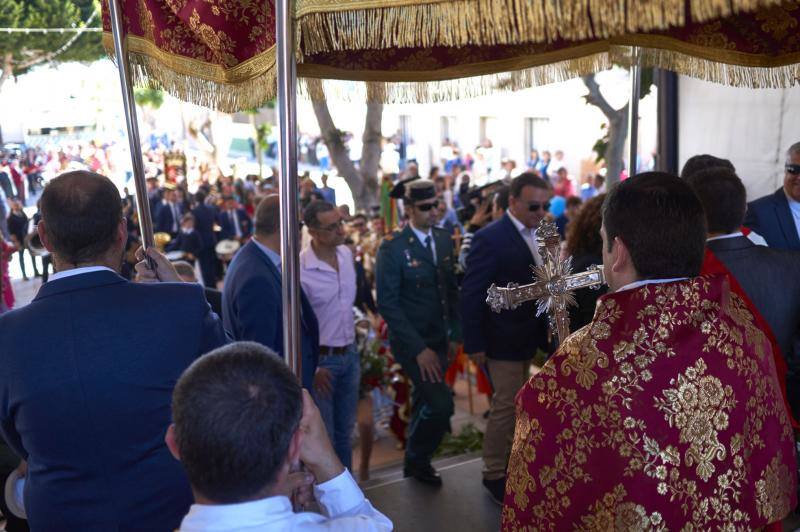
(271, 255)
(794, 206)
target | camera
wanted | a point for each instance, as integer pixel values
(473, 199)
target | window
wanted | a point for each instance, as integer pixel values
(535, 134)
(447, 128)
(489, 129)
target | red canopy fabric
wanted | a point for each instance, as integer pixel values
(221, 54)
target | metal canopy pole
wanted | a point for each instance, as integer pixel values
(287, 154)
(633, 111)
(124, 68)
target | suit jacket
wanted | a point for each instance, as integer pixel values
(165, 219)
(771, 218)
(499, 255)
(86, 378)
(214, 298)
(771, 279)
(252, 307)
(228, 231)
(417, 298)
(205, 216)
(188, 242)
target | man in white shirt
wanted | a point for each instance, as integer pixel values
(242, 426)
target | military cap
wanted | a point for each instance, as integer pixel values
(420, 190)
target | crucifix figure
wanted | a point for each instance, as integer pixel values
(553, 284)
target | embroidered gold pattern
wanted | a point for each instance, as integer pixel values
(772, 495)
(595, 394)
(699, 405)
(610, 512)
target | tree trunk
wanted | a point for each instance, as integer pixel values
(8, 68)
(363, 181)
(371, 156)
(617, 130)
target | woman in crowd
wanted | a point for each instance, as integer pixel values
(586, 248)
(6, 290)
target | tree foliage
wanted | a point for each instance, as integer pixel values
(146, 97)
(21, 51)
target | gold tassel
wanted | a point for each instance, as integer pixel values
(440, 91)
(753, 77)
(225, 97)
(336, 25)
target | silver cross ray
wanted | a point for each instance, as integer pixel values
(554, 283)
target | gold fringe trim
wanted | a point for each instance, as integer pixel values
(755, 77)
(225, 97)
(248, 85)
(439, 91)
(337, 25)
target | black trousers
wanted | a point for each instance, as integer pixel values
(208, 267)
(21, 254)
(431, 410)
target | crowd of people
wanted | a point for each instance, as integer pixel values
(98, 428)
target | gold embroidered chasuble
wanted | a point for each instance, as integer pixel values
(664, 413)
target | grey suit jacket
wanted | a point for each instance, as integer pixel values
(771, 278)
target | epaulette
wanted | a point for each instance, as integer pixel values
(391, 236)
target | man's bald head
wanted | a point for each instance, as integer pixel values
(81, 213)
(268, 216)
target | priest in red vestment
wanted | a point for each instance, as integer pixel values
(664, 413)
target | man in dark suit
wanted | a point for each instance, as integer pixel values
(87, 371)
(777, 217)
(500, 253)
(418, 298)
(168, 219)
(204, 218)
(769, 277)
(234, 221)
(252, 307)
(187, 240)
(154, 196)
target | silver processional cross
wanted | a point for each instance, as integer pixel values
(553, 286)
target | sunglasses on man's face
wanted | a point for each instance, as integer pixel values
(793, 169)
(533, 207)
(425, 207)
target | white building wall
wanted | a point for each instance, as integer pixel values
(573, 125)
(752, 128)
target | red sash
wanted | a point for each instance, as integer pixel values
(711, 266)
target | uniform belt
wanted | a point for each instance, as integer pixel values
(329, 350)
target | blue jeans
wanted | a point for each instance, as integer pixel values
(339, 410)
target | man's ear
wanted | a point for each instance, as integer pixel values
(294, 447)
(171, 440)
(122, 231)
(43, 236)
(621, 258)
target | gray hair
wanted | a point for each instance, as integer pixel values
(794, 149)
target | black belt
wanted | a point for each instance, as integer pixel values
(328, 350)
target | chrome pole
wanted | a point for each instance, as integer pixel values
(633, 110)
(287, 154)
(124, 68)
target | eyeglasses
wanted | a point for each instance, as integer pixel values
(793, 169)
(331, 227)
(425, 207)
(533, 207)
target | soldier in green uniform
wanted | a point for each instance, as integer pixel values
(418, 298)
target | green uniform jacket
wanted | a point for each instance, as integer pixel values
(417, 298)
